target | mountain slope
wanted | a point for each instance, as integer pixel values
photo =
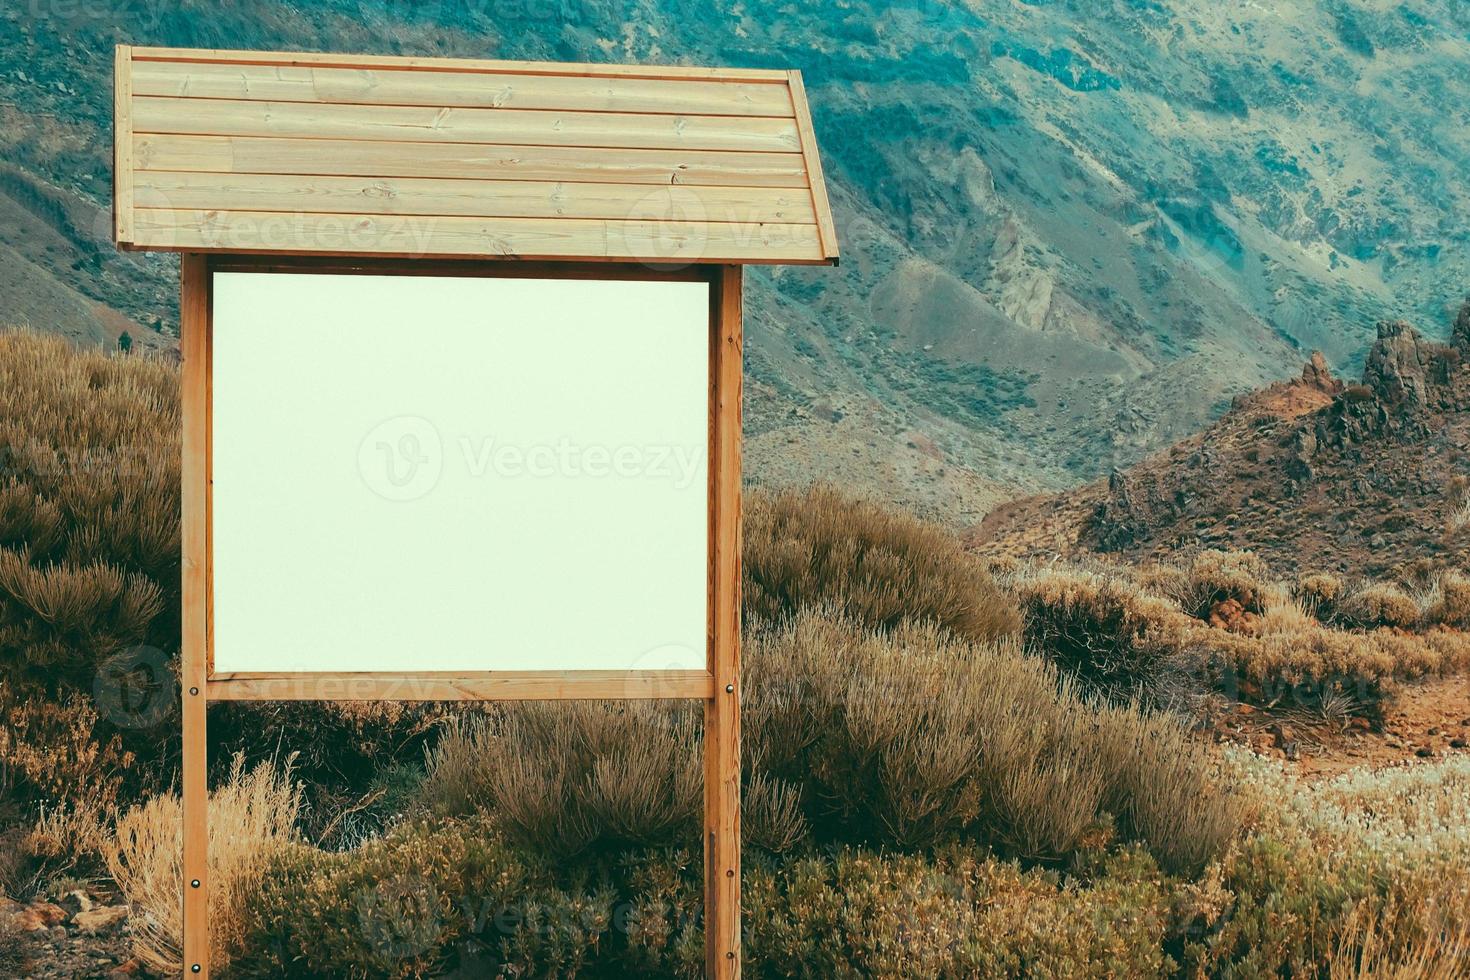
(1072, 230)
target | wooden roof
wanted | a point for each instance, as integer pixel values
(259, 152)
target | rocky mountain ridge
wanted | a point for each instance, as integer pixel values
(1312, 474)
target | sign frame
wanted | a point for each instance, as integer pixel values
(718, 686)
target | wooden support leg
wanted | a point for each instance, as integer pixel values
(722, 712)
(194, 404)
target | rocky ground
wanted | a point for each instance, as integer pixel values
(82, 935)
(1428, 720)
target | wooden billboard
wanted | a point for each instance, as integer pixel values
(426, 264)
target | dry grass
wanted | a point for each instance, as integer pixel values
(1447, 602)
(568, 777)
(1113, 627)
(89, 507)
(1211, 577)
(1364, 875)
(1373, 944)
(1376, 604)
(878, 566)
(251, 817)
(907, 736)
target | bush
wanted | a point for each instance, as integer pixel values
(908, 737)
(1319, 594)
(878, 566)
(1449, 602)
(567, 777)
(1292, 896)
(859, 914)
(1212, 577)
(57, 750)
(413, 903)
(1100, 628)
(89, 509)
(1378, 604)
(251, 817)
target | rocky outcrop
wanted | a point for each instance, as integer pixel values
(1316, 374)
(1405, 381)
(1460, 332)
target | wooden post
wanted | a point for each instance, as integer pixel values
(194, 409)
(722, 712)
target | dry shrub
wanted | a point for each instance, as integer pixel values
(251, 817)
(905, 737)
(566, 777)
(89, 508)
(1319, 593)
(408, 904)
(879, 566)
(69, 833)
(1448, 603)
(52, 749)
(1104, 625)
(1211, 577)
(859, 914)
(1423, 939)
(1378, 604)
(1099, 627)
(913, 736)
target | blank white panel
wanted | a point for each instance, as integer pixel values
(422, 473)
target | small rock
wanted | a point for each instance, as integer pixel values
(1359, 724)
(132, 968)
(76, 901)
(1425, 752)
(40, 916)
(98, 920)
(1244, 709)
(1432, 731)
(1458, 743)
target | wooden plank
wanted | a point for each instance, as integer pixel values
(194, 408)
(449, 686)
(463, 268)
(170, 190)
(600, 93)
(122, 148)
(722, 712)
(813, 160)
(315, 59)
(431, 124)
(360, 158)
(423, 237)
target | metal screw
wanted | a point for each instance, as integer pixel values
(195, 968)
(194, 690)
(729, 688)
(729, 956)
(730, 873)
(194, 883)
